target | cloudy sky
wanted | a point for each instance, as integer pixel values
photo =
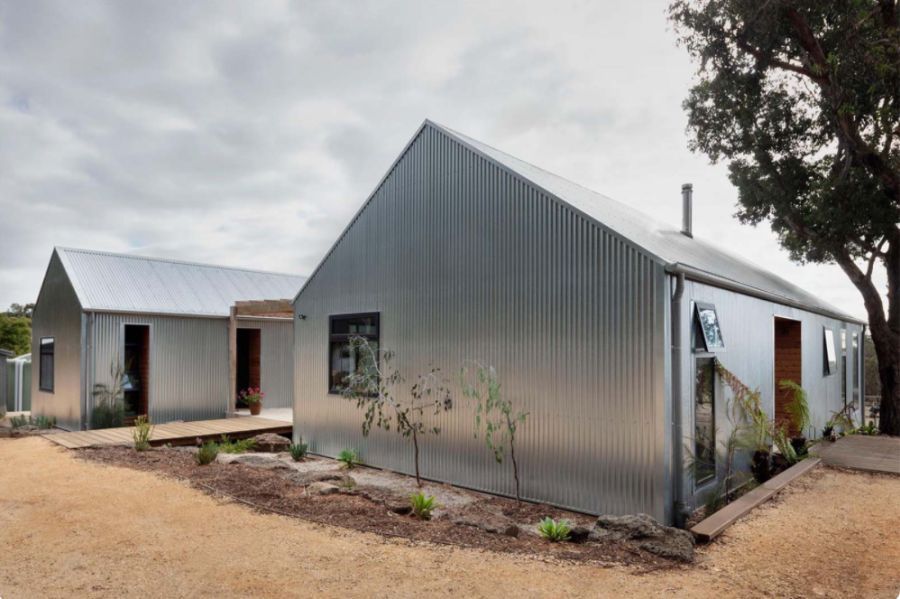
(248, 134)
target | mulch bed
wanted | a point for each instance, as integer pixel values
(273, 491)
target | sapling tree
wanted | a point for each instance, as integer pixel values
(373, 387)
(495, 415)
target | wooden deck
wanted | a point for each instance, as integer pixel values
(176, 433)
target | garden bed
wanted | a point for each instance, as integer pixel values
(275, 483)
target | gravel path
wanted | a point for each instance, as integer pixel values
(74, 528)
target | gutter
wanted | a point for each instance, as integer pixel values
(702, 276)
(678, 511)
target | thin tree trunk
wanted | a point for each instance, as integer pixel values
(512, 456)
(416, 447)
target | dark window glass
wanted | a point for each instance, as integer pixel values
(830, 358)
(856, 368)
(704, 421)
(342, 358)
(707, 333)
(46, 364)
(844, 363)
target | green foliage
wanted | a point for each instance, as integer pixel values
(868, 429)
(495, 415)
(41, 422)
(783, 443)
(226, 445)
(207, 453)
(798, 405)
(422, 505)
(554, 531)
(109, 405)
(841, 421)
(142, 432)
(372, 386)
(349, 458)
(18, 421)
(298, 450)
(15, 334)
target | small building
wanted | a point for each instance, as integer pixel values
(603, 324)
(177, 329)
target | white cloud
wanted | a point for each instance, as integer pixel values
(249, 133)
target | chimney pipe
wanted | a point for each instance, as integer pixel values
(687, 200)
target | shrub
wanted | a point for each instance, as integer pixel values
(226, 445)
(783, 443)
(349, 458)
(18, 421)
(868, 429)
(44, 421)
(41, 422)
(298, 450)
(422, 505)
(141, 434)
(797, 406)
(554, 531)
(109, 407)
(207, 453)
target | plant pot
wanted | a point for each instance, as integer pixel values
(255, 408)
(799, 445)
(761, 466)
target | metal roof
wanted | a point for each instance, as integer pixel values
(697, 259)
(107, 282)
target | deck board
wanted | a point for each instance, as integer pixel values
(175, 432)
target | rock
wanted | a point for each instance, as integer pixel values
(651, 536)
(306, 478)
(256, 461)
(322, 488)
(579, 534)
(398, 507)
(494, 525)
(271, 443)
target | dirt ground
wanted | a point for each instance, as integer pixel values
(71, 527)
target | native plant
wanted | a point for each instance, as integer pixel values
(495, 415)
(298, 450)
(226, 445)
(207, 453)
(785, 447)
(373, 387)
(141, 434)
(422, 505)
(349, 458)
(797, 406)
(109, 405)
(554, 531)
(41, 422)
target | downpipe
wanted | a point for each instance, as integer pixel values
(678, 511)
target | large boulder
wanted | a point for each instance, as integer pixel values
(271, 443)
(648, 534)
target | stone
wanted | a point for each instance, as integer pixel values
(305, 478)
(579, 534)
(256, 461)
(650, 535)
(270, 443)
(494, 525)
(322, 488)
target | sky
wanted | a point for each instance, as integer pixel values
(248, 134)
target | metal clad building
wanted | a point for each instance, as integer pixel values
(468, 254)
(90, 299)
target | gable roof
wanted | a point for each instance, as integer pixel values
(107, 282)
(697, 259)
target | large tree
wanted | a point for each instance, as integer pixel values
(802, 99)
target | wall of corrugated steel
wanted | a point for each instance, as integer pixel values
(276, 359)
(466, 261)
(748, 328)
(188, 363)
(58, 315)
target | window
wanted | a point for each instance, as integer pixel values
(46, 364)
(707, 333)
(704, 421)
(342, 358)
(830, 359)
(856, 366)
(844, 363)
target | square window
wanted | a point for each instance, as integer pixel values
(342, 358)
(707, 332)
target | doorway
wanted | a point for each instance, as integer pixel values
(248, 345)
(136, 384)
(788, 366)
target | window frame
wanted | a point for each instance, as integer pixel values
(829, 353)
(714, 475)
(701, 345)
(337, 337)
(52, 355)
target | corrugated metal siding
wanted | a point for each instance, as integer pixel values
(118, 282)
(58, 315)
(276, 360)
(188, 363)
(465, 261)
(748, 328)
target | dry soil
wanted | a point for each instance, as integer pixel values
(72, 528)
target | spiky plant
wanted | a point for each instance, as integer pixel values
(554, 531)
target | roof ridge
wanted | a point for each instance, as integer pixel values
(173, 261)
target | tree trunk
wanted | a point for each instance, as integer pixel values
(887, 350)
(416, 448)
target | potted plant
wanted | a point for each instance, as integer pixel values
(798, 412)
(253, 397)
(757, 437)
